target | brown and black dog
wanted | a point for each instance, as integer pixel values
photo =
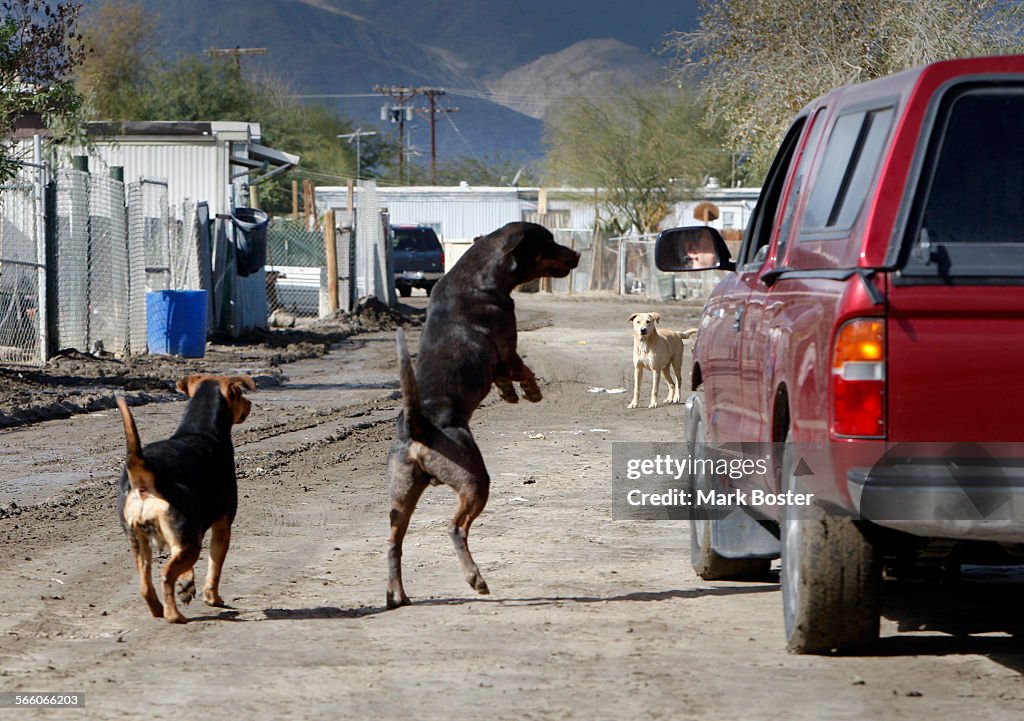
(171, 492)
(468, 344)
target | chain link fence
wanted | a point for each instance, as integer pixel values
(22, 268)
(289, 243)
(109, 244)
(372, 268)
(187, 259)
(296, 260)
(69, 260)
(148, 228)
(107, 277)
(582, 241)
(295, 256)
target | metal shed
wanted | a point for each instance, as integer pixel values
(200, 161)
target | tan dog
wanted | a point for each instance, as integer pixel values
(658, 351)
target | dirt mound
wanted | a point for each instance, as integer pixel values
(371, 314)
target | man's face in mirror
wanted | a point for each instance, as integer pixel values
(700, 251)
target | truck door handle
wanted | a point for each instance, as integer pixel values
(739, 318)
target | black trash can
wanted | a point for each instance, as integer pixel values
(250, 239)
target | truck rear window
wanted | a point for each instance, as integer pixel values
(970, 205)
(421, 239)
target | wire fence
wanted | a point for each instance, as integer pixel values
(295, 256)
(108, 275)
(296, 260)
(187, 258)
(109, 245)
(22, 268)
(148, 227)
(289, 243)
(69, 260)
(372, 258)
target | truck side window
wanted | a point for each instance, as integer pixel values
(762, 222)
(847, 170)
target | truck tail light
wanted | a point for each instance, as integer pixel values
(858, 379)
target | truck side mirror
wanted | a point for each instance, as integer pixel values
(692, 248)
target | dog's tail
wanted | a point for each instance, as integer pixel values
(410, 391)
(138, 475)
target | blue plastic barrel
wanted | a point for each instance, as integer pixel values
(176, 322)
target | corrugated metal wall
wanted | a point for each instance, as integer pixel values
(196, 170)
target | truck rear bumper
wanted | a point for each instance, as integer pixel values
(417, 277)
(941, 500)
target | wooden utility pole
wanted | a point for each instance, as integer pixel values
(237, 53)
(432, 95)
(397, 114)
(295, 200)
(331, 253)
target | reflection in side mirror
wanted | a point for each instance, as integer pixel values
(693, 248)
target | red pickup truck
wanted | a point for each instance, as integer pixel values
(871, 327)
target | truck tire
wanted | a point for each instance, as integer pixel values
(706, 563)
(831, 577)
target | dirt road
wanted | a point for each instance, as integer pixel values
(589, 618)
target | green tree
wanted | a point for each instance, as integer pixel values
(39, 50)
(126, 80)
(198, 88)
(762, 60)
(114, 74)
(640, 149)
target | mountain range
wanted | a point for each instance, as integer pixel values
(501, 63)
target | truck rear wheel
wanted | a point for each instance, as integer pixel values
(831, 577)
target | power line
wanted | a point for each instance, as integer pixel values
(308, 96)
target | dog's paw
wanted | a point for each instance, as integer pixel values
(212, 598)
(477, 582)
(174, 616)
(187, 591)
(653, 404)
(396, 600)
(506, 391)
(531, 391)
(632, 404)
